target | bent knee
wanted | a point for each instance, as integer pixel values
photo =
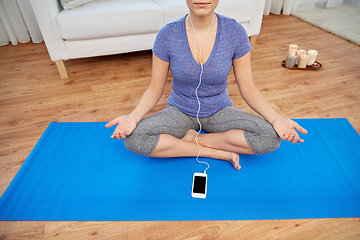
(142, 145)
(270, 145)
(264, 144)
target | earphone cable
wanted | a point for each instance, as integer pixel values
(197, 88)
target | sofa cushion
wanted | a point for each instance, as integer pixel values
(240, 10)
(72, 4)
(110, 19)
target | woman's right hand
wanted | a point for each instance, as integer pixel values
(125, 126)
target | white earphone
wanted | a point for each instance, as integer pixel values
(197, 88)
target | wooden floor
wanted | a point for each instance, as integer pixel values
(100, 89)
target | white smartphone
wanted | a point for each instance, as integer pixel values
(199, 186)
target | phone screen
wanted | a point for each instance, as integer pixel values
(199, 184)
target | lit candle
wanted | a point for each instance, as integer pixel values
(315, 65)
(312, 56)
(303, 61)
(290, 61)
(292, 49)
(299, 53)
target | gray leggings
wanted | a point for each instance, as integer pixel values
(259, 134)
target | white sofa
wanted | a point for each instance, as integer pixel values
(120, 26)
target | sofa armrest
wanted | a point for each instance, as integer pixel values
(46, 12)
(254, 25)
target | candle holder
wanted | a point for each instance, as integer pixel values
(314, 66)
(300, 59)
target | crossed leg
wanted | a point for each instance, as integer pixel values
(170, 133)
(169, 146)
(230, 141)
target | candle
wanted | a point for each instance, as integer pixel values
(315, 65)
(299, 53)
(303, 61)
(290, 61)
(292, 49)
(312, 56)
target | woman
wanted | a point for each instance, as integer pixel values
(200, 49)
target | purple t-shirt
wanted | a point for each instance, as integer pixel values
(171, 45)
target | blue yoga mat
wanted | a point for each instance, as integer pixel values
(77, 172)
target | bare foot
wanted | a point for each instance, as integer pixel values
(227, 156)
(235, 160)
(220, 154)
(190, 135)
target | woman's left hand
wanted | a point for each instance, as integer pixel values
(285, 128)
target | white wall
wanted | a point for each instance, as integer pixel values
(352, 2)
(303, 5)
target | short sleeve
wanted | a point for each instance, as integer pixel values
(159, 48)
(242, 43)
